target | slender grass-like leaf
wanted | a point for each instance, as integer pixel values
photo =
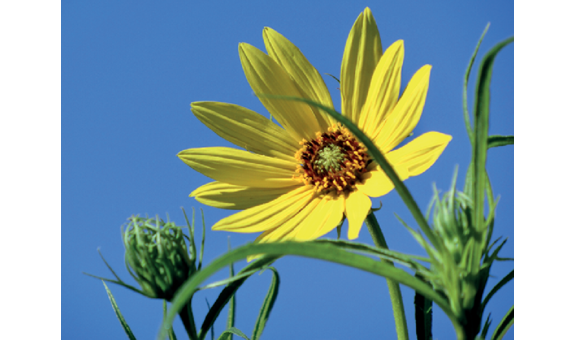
(203, 241)
(267, 305)
(423, 317)
(232, 307)
(378, 157)
(325, 252)
(479, 145)
(211, 328)
(391, 255)
(230, 290)
(171, 335)
(192, 238)
(230, 331)
(228, 280)
(486, 326)
(504, 325)
(465, 81)
(498, 286)
(119, 314)
(118, 281)
(495, 141)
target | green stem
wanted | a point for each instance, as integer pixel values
(394, 291)
(188, 319)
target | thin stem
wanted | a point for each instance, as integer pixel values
(394, 291)
(188, 319)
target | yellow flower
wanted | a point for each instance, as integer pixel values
(297, 182)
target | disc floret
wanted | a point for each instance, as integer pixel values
(333, 162)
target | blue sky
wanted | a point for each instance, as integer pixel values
(129, 72)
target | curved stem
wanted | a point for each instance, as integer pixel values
(394, 291)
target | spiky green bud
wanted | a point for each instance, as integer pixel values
(157, 256)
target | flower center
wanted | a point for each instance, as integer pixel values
(333, 162)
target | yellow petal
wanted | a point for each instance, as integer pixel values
(405, 115)
(376, 183)
(228, 196)
(306, 77)
(266, 77)
(419, 155)
(383, 89)
(241, 167)
(246, 129)
(269, 215)
(361, 54)
(357, 205)
(326, 217)
(297, 221)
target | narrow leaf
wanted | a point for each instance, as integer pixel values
(306, 249)
(232, 330)
(423, 317)
(465, 81)
(504, 325)
(171, 335)
(119, 314)
(498, 286)
(232, 307)
(230, 290)
(479, 144)
(494, 141)
(267, 305)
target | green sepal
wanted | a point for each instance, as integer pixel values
(119, 314)
(267, 305)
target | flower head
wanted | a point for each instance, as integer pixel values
(297, 181)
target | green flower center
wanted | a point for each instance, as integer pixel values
(329, 159)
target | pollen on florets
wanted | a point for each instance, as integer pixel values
(333, 162)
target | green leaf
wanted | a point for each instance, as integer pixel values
(230, 290)
(267, 305)
(498, 286)
(119, 314)
(479, 145)
(232, 330)
(486, 326)
(211, 328)
(171, 335)
(423, 316)
(465, 81)
(496, 140)
(203, 241)
(192, 238)
(504, 325)
(312, 249)
(232, 307)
